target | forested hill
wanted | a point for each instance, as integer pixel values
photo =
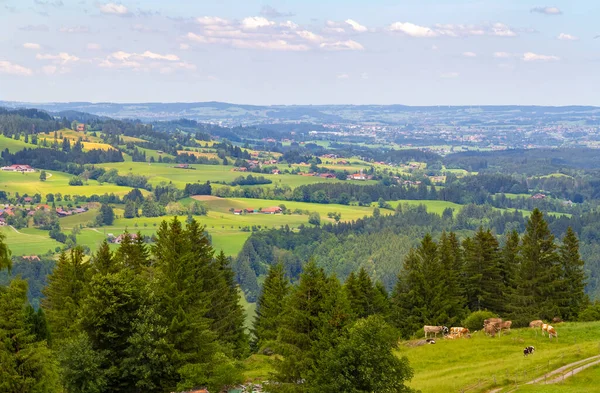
(254, 114)
(380, 243)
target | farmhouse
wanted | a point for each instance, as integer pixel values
(18, 168)
(237, 212)
(119, 239)
(327, 175)
(357, 176)
(539, 196)
(240, 169)
(80, 127)
(31, 258)
(2, 222)
(271, 210)
(250, 211)
(183, 166)
(275, 171)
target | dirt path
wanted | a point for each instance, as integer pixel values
(15, 229)
(573, 369)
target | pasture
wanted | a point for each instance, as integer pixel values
(159, 172)
(13, 145)
(29, 183)
(456, 365)
(29, 241)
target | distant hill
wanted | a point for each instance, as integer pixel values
(235, 114)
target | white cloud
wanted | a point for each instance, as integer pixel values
(356, 26)
(309, 36)
(31, 45)
(469, 54)
(289, 25)
(412, 30)
(74, 30)
(530, 56)
(567, 37)
(156, 56)
(122, 64)
(343, 76)
(93, 46)
(183, 46)
(276, 45)
(502, 55)
(342, 45)
(547, 10)
(7, 67)
(256, 22)
(501, 30)
(450, 75)
(114, 9)
(211, 21)
(61, 58)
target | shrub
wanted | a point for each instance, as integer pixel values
(475, 320)
(591, 313)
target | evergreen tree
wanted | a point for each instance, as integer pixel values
(5, 259)
(37, 324)
(539, 273)
(25, 365)
(269, 307)
(103, 262)
(451, 296)
(573, 277)
(64, 293)
(106, 215)
(130, 210)
(484, 288)
(510, 266)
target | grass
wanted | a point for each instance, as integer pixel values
(13, 145)
(29, 183)
(584, 382)
(29, 241)
(158, 173)
(437, 207)
(452, 365)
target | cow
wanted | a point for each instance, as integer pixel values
(536, 324)
(544, 328)
(492, 320)
(435, 330)
(557, 320)
(505, 325)
(491, 329)
(528, 350)
(551, 332)
(459, 331)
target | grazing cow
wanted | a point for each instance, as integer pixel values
(435, 330)
(551, 332)
(491, 329)
(492, 320)
(430, 341)
(557, 320)
(459, 331)
(505, 325)
(536, 324)
(528, 350)
(544, 328)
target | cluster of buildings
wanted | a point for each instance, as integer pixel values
(65, 213)
(119, 239)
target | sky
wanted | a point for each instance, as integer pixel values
(411, 52)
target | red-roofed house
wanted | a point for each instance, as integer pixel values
(271, 210)
(18, 168)
(80, 127)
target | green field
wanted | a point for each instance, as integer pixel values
(158, 173)
(29, 241)
(13, 145)
(453, 365)
(437, 207)
(585, 382)
(29, 183)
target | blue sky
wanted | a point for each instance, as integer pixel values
(414, 52)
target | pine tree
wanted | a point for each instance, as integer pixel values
(130, 210)
(451, 295)
(269, 307)
(5, 260)
(64, 293)
(509, 267)
(484, 288)
(226, 311)
(539, 273)
(361, 294)
(25, 365)
(573, 277)
(103, 262)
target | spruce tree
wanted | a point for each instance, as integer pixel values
(451, 295)
(269, 307)
(64, 293)
(573, 277)
(484, 288)
(103, 262)
(509, 268)
(539, 274)
(5, 260)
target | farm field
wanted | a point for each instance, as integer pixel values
(14, 145)
(29, 183)
(454, 365)
(158, 173)
(29, 241)
(437, 207)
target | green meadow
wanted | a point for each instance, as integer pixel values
(29, 183)
(29, 241)
(13, 145)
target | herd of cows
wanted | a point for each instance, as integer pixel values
(491, 327)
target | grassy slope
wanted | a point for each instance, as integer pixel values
(13, 145)
(29, 183)
(585, 382)
(29, 241)
(454, 365)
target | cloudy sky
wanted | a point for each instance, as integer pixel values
(414, 52)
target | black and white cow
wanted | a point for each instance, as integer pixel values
(528, 350)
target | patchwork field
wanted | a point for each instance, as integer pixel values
(29, 183)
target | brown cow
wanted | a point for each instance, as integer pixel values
(435, 330)
(492, 320)
(459, 331)
(551, 332)
(536, 324)
(544, 328)
(491, 329)
(505, 325)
